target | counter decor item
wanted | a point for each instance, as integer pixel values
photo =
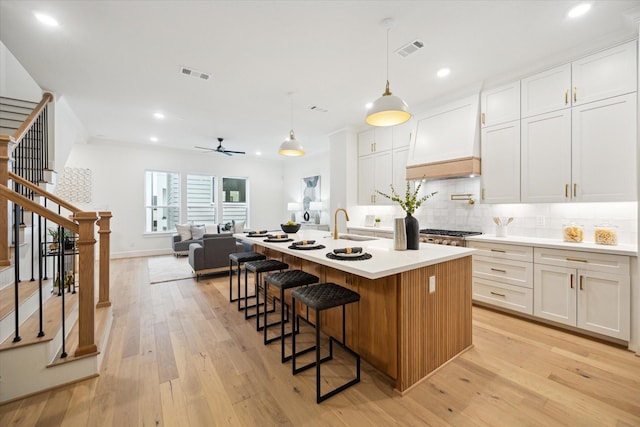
(501, 225)
(399, 235)
(409, 204)
(573, 232)
(606, 234)
(290, 227)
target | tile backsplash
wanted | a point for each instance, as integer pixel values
(542, 220)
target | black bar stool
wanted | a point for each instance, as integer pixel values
(239, 258)
(283, 281)
(322, 297)
(259, 267)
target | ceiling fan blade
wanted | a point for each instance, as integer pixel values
(234, 152)
(205, 148)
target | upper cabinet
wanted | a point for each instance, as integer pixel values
(605, 74)
(375, 140)
(402, 134)
(500, 105)
(501, 163)
(546, 92)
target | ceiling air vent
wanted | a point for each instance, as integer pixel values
(195, 73)
(319, 109)
(410, 48)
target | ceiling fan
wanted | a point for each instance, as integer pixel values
(221, 149)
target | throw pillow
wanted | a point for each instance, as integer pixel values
(211, 228)
(184, 230)
(197, 232)
(238, 227)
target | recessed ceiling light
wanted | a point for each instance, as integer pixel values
(368, 105)
(158, 115)
(46, 19)
(258, 153)
(579, 10)
(153, 139)
(443, 72)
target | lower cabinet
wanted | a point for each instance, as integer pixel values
(590, 291)
(593, 300)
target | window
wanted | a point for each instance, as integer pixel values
(234, 201)
(201, 199)
(162, 201)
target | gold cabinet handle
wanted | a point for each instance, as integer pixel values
(581, 277)
(483, 194)
(498, 270)
(577, 260)
(498, 250)
(500, 295)
(571, 281)
(566, 190)
(575, 191)
(566, 97)
(482, 118)
(575, 94)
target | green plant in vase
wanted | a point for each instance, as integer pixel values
(409, 204)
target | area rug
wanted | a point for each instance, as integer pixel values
(168, 269)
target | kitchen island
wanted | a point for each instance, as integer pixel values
(403, 325)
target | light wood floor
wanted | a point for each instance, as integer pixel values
(181, 355)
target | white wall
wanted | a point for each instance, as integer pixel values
(118, 186)
(296, 168)
(68, 131)
(15, 81)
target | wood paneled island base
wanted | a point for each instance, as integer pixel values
(398, 326)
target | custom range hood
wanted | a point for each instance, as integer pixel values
(446, 142)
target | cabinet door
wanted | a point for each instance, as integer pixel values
(501, 163)
(554, 293)
(545, 92)
(365, 142)
(605, 74)
(383, 139)
(603, 303)
(546, 157)
(366, 183)
(399, 170)
(604, 150)
(500, 105)
(383, 177)
(402, 134)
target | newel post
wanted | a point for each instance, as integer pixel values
(86, 262)
(105, 253)
(5, 142)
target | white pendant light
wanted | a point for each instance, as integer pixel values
(291, 146)
(388, 110)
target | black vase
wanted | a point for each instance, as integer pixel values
(413, 232)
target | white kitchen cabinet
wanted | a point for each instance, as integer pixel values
(402, 134)
(374, 173)
(603, 164)
(500, 150)
(547, 91)
(375, 140)
(399, 169)
(577, 289)
(500, 105)
(546, 157)
(605, 74)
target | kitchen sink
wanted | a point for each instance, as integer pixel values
(356, 237)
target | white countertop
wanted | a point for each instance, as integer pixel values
(364, 228)
(629, 250)
(385, 261)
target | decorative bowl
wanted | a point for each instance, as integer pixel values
(290, 228)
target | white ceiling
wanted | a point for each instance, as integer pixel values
(117, 62)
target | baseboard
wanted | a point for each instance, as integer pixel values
(137, 254)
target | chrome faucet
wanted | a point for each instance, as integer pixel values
(335, 221)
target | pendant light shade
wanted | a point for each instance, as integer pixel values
(388, 110)
(291, 146)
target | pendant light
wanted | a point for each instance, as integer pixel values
(291, 146)
(388, 110)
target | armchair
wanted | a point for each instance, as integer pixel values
(212, 253)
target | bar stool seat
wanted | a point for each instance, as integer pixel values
(283, 281)
(259, 267)
(240, 258)
(322, 297)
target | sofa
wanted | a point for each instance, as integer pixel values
(190, 233)
(212, 253)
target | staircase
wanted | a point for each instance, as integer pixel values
(50, 335)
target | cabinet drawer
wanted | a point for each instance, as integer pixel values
(504, 251)
(502, 295)
(503, 270)
(614, 264)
